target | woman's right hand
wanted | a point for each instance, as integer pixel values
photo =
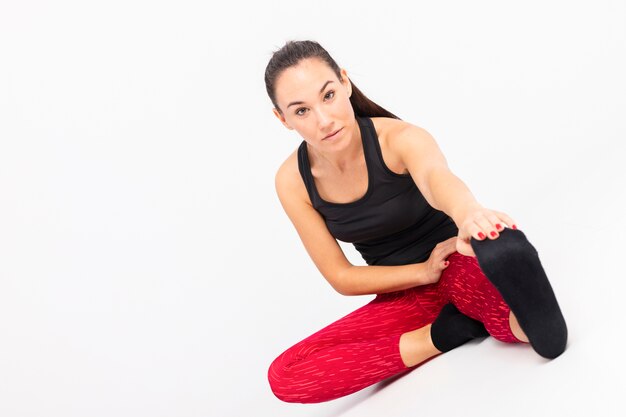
(436, 263)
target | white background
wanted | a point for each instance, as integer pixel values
(147, 267)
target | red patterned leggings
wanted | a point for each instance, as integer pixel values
(363, 347)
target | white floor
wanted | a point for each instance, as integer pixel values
(147, 268)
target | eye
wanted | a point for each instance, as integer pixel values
(297, 112)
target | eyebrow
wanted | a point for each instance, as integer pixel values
(321, 90)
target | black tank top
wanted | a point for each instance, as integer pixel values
(392, 224)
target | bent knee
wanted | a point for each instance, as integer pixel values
(278, 378)
(286, 397)
(291, 387)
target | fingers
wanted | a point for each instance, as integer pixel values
(451, 246)
(447, 247)
(506, 218)
(480, 228)
(488, 224)
(441, 252)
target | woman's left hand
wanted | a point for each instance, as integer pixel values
(480, 223)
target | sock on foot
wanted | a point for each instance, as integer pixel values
(512, 265)
(452, 328)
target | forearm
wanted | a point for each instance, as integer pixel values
(378, 279)
(451, 195)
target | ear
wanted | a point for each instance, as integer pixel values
(346, 81)
(281, 118)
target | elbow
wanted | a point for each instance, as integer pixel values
(341, 282)
(342, 290)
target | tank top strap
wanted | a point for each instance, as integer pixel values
(371, 150)
(305, 173)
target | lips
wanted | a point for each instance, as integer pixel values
(332, 134)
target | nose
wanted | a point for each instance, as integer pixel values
(324, 122)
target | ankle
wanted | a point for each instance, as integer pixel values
(452, 328)
(416, 346)
(516, 330)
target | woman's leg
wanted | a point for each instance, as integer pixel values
(355, 351)
(512, 265)
(464, 284)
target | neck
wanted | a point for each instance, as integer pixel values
(343, 159)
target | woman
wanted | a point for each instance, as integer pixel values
(364, 176)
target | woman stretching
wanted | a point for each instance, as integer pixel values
(444, 269)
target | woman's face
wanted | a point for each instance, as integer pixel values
(315, 103)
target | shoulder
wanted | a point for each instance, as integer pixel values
(399, 140)
(392, 132)
(288, 181)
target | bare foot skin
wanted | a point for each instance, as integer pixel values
(416, 346)
(516, 329)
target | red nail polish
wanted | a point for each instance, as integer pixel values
(498, 226)
(514, 227)
(481, 235)
(493, 233)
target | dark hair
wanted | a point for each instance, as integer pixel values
(295, 51)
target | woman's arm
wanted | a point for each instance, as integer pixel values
(322, 247)
(378, 279)
(443, 190)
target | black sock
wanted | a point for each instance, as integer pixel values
(452, 328)
(512, 265)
